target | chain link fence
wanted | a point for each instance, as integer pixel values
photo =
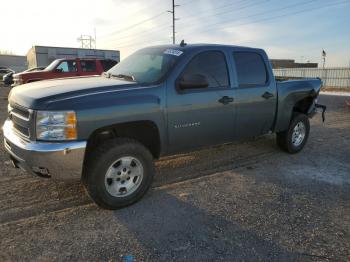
(331, 77)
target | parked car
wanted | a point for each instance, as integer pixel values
(62, 68)
(106, 130)
(4, 71)
(8, 78)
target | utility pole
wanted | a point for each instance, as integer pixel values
(323, 58)
(86, 41)
(174, 18)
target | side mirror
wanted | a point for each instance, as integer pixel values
(58, 70)
(193, 81)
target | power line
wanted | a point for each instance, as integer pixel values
(146, 33)
(159, 29)
(282, 15)
(257, 14)
(145, 43)
(139, 11)
(142, 10)
(138, 23)
(226, 11)
(154, 17)
(132, 35)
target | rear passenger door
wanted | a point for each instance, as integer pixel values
(255, 97)
(200, 116)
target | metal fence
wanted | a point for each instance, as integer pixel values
(331, 77)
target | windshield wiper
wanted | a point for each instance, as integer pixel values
(125, 77)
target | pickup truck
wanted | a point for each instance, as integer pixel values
(107, 130)
(61, 68)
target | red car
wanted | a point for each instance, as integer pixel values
(61, 68)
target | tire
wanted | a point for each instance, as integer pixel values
(290, 140)
(119, 173)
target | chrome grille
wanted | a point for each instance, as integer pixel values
(21, 113)
(22, 130)
(20, 117)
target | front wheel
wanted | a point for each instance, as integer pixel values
(295, 137)
(119, 173)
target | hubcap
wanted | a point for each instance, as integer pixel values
(298, 134)
(124, 176)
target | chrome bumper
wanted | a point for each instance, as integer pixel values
(62, 161)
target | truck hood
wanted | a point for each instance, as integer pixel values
(30, 75)
(37, 95)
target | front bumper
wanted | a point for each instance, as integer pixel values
(60, 160)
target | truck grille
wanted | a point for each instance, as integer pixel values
(21, 113)
(20, 117)
(21, 130)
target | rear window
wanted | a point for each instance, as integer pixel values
(108, 64)
(251, 69)
(88, 65)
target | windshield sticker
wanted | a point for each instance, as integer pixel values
(173, 52)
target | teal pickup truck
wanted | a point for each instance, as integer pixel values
(107, 130)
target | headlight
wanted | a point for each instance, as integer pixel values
(56, 125)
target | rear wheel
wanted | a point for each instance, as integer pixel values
(119, 173)
(295, 137)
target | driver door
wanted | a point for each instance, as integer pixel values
(67, 68)
(204, 116)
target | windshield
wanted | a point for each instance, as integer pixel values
(147, 65)
(52, 66)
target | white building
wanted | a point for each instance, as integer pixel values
(15, 62)
(44, 55)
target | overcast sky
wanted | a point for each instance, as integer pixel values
(296, 29)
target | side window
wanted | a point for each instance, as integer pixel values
(211, 65)
(67, 66)
(88, 65)
(251, 69)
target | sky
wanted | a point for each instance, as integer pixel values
(295, 29)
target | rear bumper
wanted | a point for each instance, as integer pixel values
(62, 161)
(315, 108)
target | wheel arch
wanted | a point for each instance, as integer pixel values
(145, 132)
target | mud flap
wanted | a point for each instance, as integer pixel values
(323, 108)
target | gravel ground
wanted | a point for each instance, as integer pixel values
(244, 201)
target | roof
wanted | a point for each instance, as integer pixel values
(204, 45)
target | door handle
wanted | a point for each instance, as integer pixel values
(267, 95)
(225, 100)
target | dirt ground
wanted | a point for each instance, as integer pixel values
(244, 201)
